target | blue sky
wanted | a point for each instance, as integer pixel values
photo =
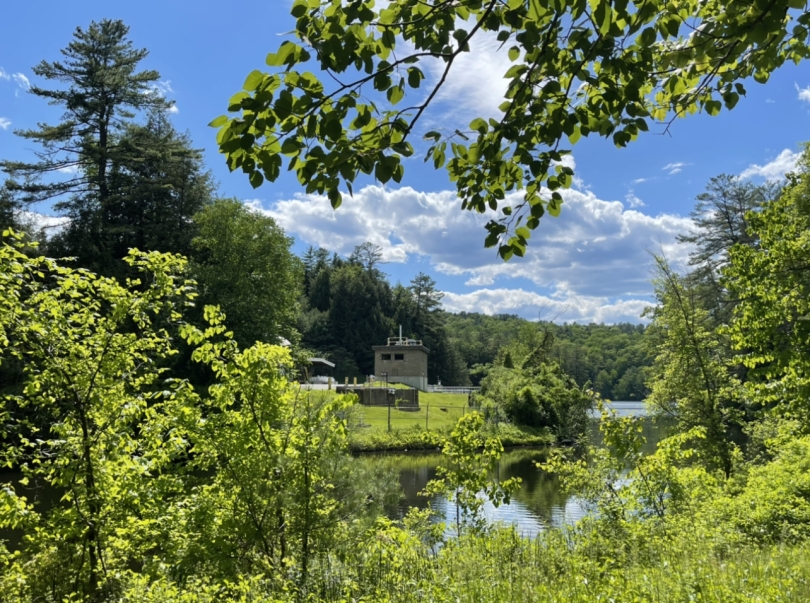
(590, 264)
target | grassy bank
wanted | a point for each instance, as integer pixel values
(379, 439)
(378, 428)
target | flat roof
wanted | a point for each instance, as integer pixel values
(322, 361)
(400, 348)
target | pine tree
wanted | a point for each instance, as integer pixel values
(154, 201)
(102, 92)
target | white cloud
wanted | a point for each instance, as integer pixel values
(22, 81)
(804, 93)
(173, 109)
(774, 170)
(69, 169)
(475, 86)
(4, 123)
(50, 225)
(595, 251)
(674, 168)
(769, 101)
(533, 305)
(4, 75)
(160, 88)
(633, 200)
(639, 180)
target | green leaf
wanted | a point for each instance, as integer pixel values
(253, 80)
(647, 36)
(299, 8)
(290, 147)
(414, 77)
(713, 107)
(514, 53)
(219, 121)
(235, 102)
(335, 198)
(256, 179)
(395, 94)
(554, 207)
(479, 124)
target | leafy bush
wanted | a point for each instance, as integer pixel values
(540, 396)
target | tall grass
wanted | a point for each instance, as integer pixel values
(502, 567)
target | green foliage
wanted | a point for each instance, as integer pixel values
(92, 350)
(243, 264)
(157, 184)
(771, 330)
(541, 396)
(250, 477)
(275, 453)
(618, 352)
(692, 378)
(579, 69)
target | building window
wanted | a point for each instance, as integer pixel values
(386, 356)
(399, 356)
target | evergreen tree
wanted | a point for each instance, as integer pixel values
(360, 312)
(156, 193)
(721, 221)
(104, 88)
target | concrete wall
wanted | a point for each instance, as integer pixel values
(411, 370)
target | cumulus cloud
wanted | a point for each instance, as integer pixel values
(674, 168)
(774, 170)
(173, 109)
(4, 123)
(594, 253)
(49, 225)
(533, 305)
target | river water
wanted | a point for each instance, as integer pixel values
(538, 503)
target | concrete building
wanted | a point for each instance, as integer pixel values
(404, 361)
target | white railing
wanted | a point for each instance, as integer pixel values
(403, 341)
(452, 389)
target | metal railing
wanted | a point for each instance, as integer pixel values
(403, 341)
(452, 389)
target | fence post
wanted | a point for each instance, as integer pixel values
(389, 410)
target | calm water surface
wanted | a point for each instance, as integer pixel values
(538, 503)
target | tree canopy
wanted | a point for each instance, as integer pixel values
(580, 68)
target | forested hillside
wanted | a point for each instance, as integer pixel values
(612, 358)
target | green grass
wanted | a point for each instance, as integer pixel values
(437, 411)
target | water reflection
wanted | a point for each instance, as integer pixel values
(538, 503)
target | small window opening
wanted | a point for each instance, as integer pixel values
(386, 356)
(399, 356)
